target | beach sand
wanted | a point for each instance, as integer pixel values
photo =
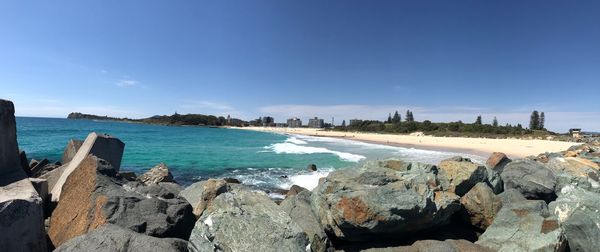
(514, 148)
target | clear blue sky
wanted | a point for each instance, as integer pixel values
(445, 60)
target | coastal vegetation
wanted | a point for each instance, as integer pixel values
(175, 119)
(394, 124)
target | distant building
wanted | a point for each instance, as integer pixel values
(354, 122)
(315, 123)
(576, 133)
(268, 121)
(280, 125)
(294, 122)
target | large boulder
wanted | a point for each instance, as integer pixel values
(462, 174)
(532, 179)
(299, 209)
(93, 197)
(114, 238)
(243, 220)
(9, 150)
(375, 202)
(524, 226)
(21, 207)
(201, 194)
(575, 171)
(159, 173)
(495, 165)
(70, 150)
(100, 145)
(480, 206)
(578, 213)
(434, 245)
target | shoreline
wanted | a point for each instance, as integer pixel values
(514, 148)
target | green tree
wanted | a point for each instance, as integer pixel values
(344, 123)
(396, 118)
(542, 121)
(389, 120)
(534, 120)
(409, 116)
(478, 120)
(495, 122)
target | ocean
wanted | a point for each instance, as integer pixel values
(267, 161)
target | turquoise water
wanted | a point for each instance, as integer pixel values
(266, 160)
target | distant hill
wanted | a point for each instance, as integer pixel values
(175, 119)
(77, 115)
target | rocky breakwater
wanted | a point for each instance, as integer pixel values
(21, 207)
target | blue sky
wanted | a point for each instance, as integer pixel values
(445, 60)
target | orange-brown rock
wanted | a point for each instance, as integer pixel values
(91, 199)
(462, 174)
(496, 159)
(480, 206)
(71, 217)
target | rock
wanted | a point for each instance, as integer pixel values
(202, 193)
(24, 164)
(165, 190)
(462, 174)
(52, 177)
(532, 179)
(232, 180)
(510, 196)
(159, 173)
(524, 226)
(578, 213)
(21, 209)
(575, 171)
(128, 175)
(70, 150)
(91, 198)
(244, 220)
(312, 167)
(9, 151)
(299, 209)
(102, 146)
(295, 189)
(114, 238)
(434, 245)
(497, 161)
(480, 206)
(33, 163)
(35, 170)
(374, 202)
(495, 165)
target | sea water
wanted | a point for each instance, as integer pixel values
(267, 161)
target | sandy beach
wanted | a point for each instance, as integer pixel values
(514, 148)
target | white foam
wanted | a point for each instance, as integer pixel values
(290, 148)
(309, 180)
(295, 140)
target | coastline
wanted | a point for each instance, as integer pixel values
(514, 148)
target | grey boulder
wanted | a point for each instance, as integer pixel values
(159, 173)
(524, 226)
(532, 179)
(114, 238)
(575, 171)
(578, 212)
(243, 220)
(299, 209)
(382, 199)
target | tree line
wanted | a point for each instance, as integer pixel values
(395, 124)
